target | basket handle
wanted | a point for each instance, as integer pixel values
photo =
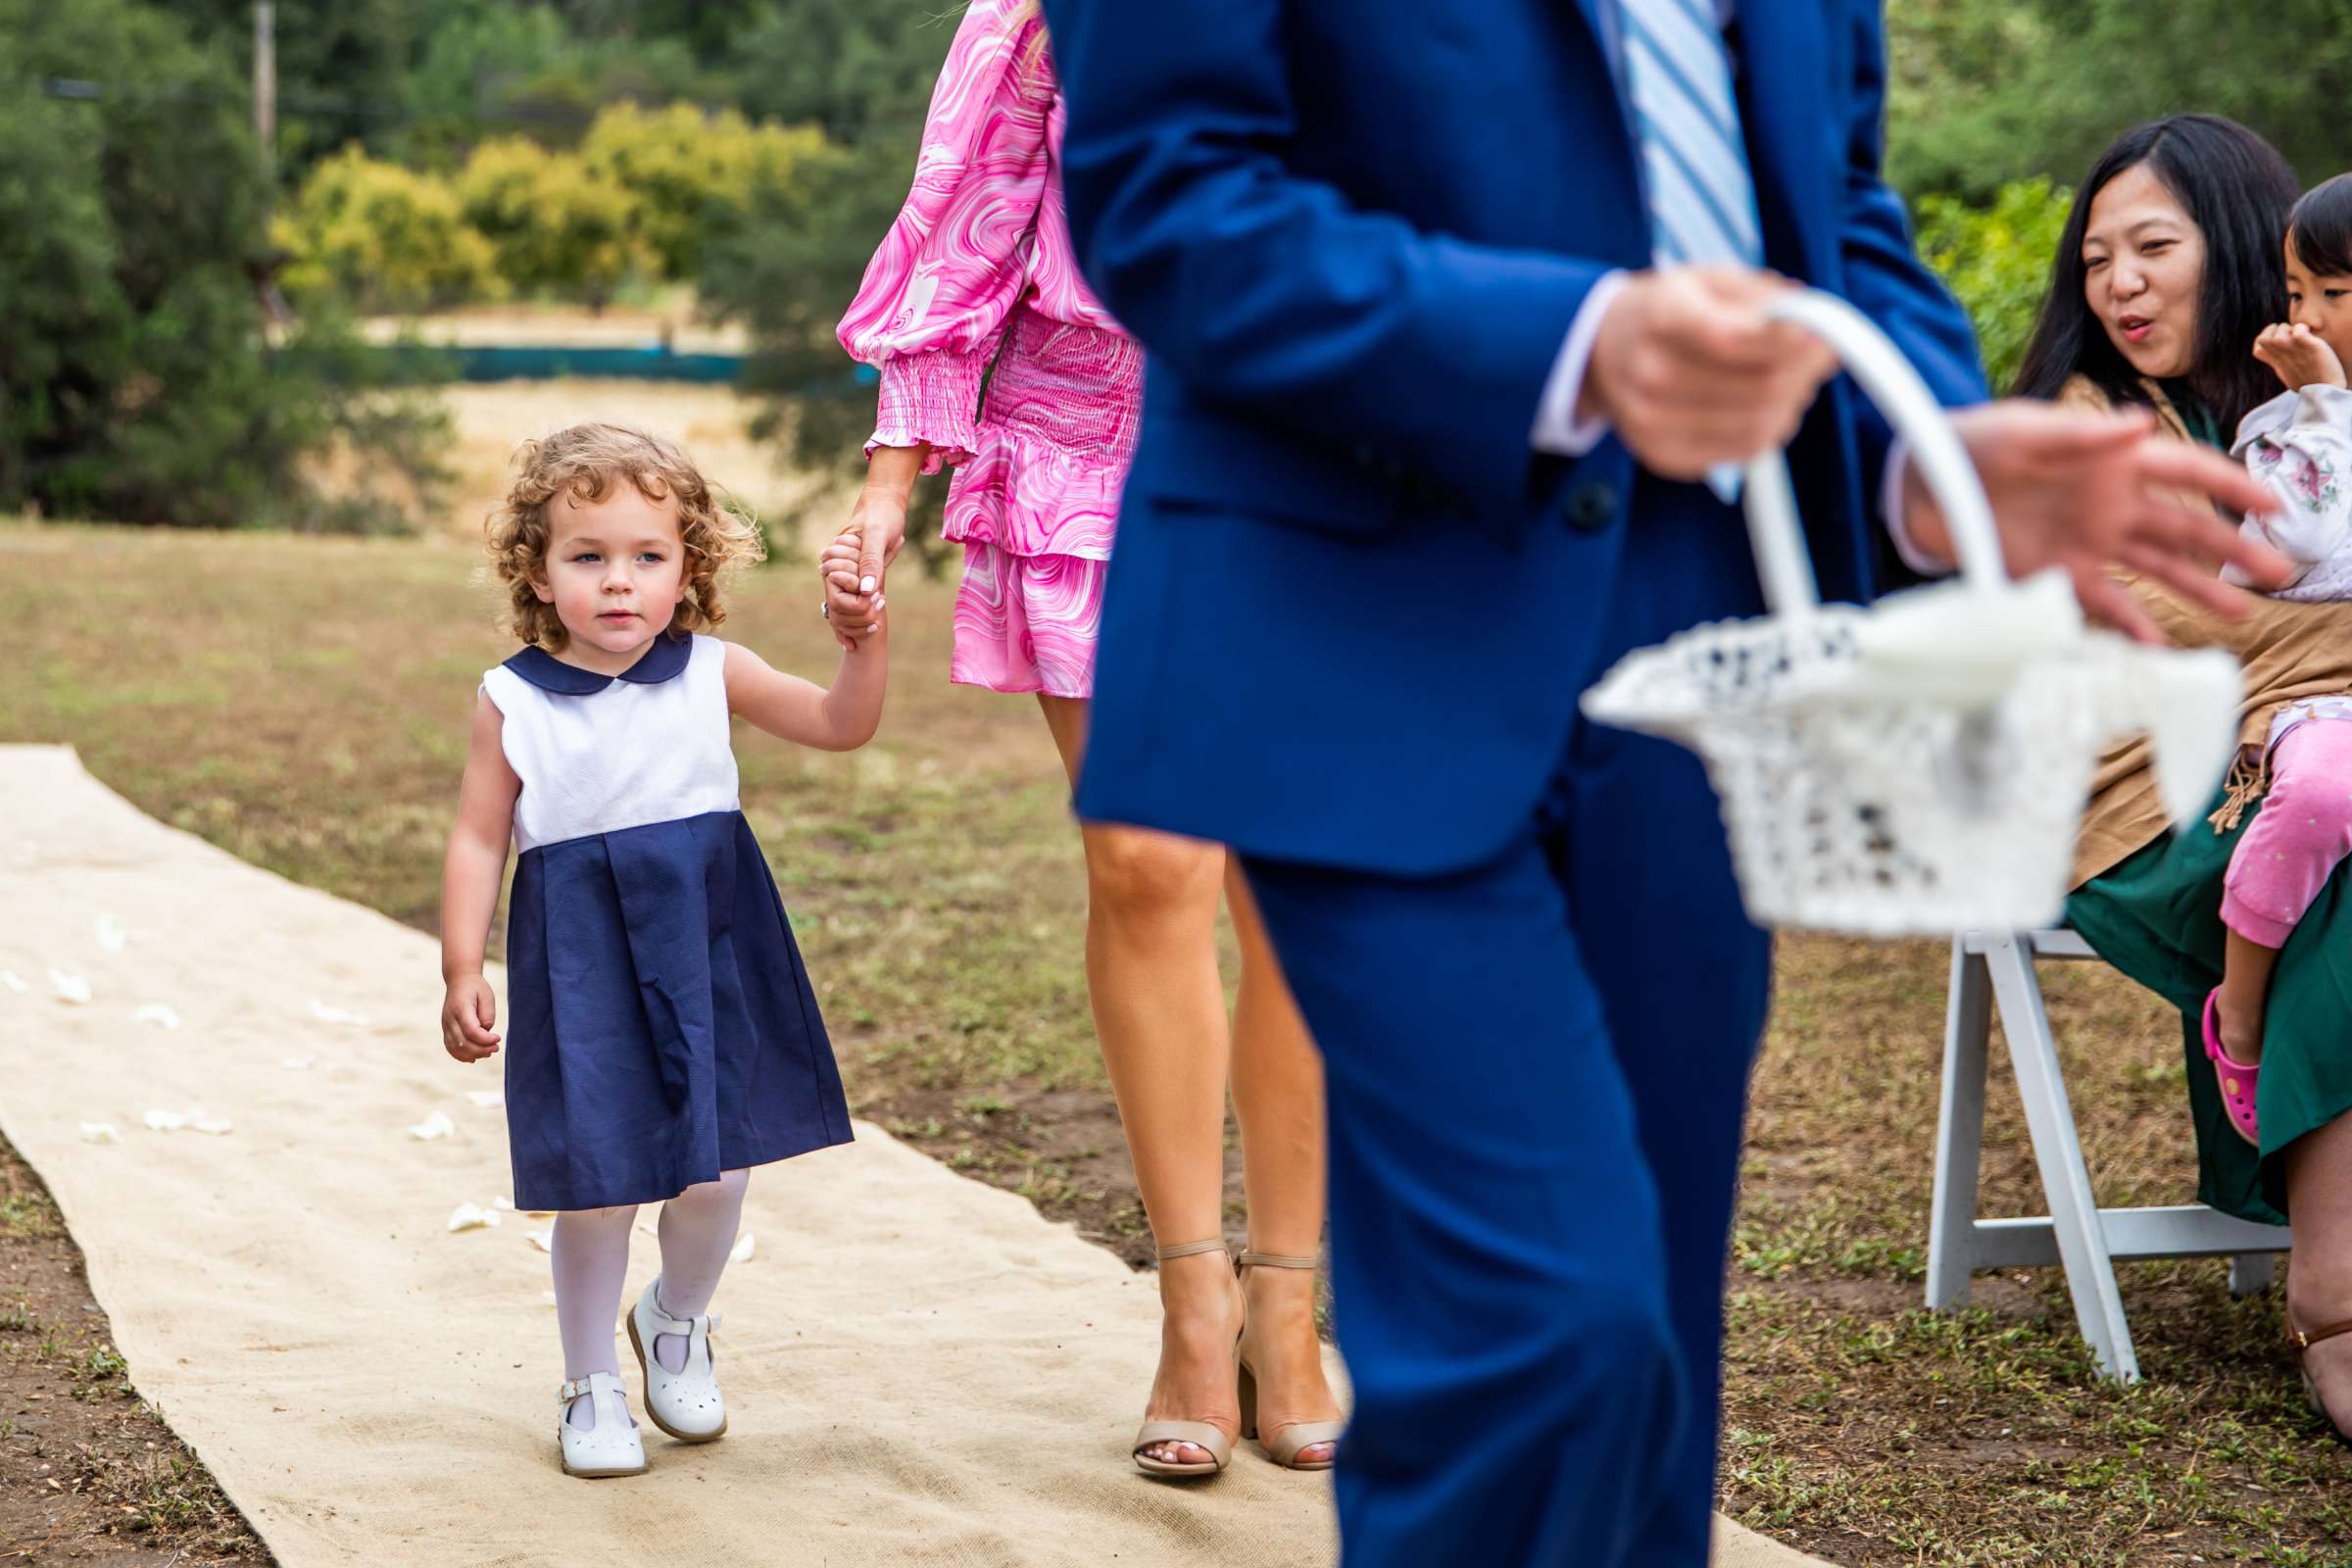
(1934, 445)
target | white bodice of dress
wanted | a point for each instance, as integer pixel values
(633, 751)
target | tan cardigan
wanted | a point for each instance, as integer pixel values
(2289, 652)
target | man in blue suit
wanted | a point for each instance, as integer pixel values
(1449, 304)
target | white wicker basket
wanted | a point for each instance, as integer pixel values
(1920, 767)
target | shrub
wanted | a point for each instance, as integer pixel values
(382, 237)
(1997, 259)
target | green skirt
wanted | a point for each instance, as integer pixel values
(2158, 918)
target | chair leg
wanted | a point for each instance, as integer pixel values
(1959, 1131)
(2058, 1152)
(2251, 1273)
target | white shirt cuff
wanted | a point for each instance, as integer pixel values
(1557, 429)
(1898, 529)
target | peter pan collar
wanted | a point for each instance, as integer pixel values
(665, 659)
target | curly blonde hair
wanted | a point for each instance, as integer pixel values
(586, 461)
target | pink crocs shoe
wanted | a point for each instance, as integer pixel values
(2236, 1078)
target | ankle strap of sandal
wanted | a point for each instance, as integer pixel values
(1278, 1260)
(1215, 1243)
(2305, 1339)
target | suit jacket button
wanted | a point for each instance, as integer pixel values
(1591, 508)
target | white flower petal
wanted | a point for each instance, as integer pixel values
(437, 1125)
(157, 1012)
(165, 1121)
(13, 981)
(485, 1098)
(112, 933)
(72, 988)
(199, 1122)
(742, 1252)
(100, 1132)
(471, 1217)
(326, 1014)
(503, 1205)
(541, 1240)
(298, 1063)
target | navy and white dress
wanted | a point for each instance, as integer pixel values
(660, 1028)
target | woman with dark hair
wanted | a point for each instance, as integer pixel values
(2169, 272)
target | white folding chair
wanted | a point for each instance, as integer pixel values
(1996, 969)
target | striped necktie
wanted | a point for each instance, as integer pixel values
(1702, 199)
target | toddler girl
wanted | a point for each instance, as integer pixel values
(663, 1037)
(2301, 443)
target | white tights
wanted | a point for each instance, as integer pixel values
(590, 1252)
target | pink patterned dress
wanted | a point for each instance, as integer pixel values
(979, 269)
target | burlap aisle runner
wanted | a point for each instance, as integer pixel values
(919, 1368)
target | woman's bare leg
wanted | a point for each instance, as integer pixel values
(1278, 1099)
(1160, 1012)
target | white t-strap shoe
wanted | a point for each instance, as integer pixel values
(610, 1448)
(685, 1403)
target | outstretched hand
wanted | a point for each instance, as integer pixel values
(2089, 491)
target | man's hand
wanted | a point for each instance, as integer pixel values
(2088, 491)
(2300, 357)
(1690, 376)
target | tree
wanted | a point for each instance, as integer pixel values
(1989, 93)
(136, 380)
(856, 69)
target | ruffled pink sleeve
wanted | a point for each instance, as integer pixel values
(933, 305)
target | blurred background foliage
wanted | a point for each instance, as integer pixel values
(177, 299)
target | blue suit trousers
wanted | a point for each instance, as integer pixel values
(1537, 1074)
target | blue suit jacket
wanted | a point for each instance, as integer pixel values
(1351, 609)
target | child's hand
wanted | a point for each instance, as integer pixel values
(466, 1015)
(2300, 356)
(853, 616)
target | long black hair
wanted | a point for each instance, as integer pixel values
(2237, 189)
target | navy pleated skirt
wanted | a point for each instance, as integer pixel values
(660, 1027)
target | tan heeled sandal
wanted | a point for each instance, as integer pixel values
(1201, 1435)
(1284, 1444)
(2300, 1341)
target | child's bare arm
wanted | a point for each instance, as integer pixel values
(791, 709)
(469, 878)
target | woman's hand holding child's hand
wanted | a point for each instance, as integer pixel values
(2300, 356)
(466, 1015)
(853, 616)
